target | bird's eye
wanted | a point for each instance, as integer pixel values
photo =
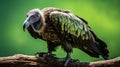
(33, 16)
(37, 15)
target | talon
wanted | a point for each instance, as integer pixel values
(44, 54)
(38, 54)
(52, 54)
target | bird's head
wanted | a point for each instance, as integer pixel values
(33, 19)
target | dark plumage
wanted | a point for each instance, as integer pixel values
(61, 27)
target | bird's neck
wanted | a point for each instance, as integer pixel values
(41, 26)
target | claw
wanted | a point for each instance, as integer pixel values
(44, 54)
(39, 54)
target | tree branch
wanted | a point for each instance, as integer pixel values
(20, 60)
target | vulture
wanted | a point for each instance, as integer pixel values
(60, 27)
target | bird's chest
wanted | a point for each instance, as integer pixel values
(49, 34)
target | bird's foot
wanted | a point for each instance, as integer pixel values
(67, 60)
(38, 54)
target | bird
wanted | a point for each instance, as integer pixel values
(59, 27)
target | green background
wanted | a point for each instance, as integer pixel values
(103, 17)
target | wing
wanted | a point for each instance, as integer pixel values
(80, 33)
(72, 24)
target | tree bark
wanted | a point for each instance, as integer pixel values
(20, 60)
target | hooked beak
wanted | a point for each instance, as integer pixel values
(24, 25)
(27, 23)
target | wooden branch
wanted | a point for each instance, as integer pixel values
(20, 60)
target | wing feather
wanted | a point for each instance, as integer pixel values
(71, 24)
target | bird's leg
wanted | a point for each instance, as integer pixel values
(67, 59)
(51, 47)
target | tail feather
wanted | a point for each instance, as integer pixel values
(101, 46)
(93, 48)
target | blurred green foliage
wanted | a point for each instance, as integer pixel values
(103, 17)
